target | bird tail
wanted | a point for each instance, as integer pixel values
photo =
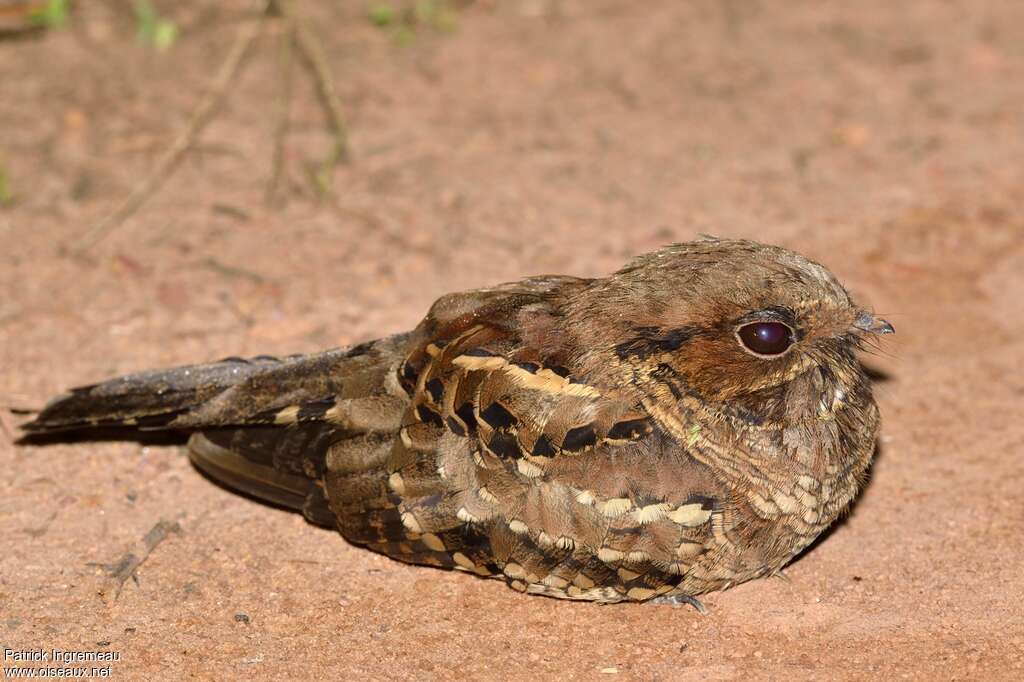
(230, 392)
(262, 426)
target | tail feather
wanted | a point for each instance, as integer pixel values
(231, 392)
(151, 399)
(264, 481)
(262, 426)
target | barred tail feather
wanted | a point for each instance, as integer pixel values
(145, 400)
(231, 392)
(262, 426)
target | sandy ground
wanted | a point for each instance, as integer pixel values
(884, 139)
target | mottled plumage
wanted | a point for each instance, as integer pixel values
(688, 423)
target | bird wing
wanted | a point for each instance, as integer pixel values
(507, 463)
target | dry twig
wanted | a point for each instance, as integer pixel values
(296, 37)
(310, 50)
(282, 108)
(126, 567)
(201, 116)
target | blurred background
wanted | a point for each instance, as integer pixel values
(182, 181)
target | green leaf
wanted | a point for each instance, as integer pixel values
(152, 29)
(164, 35)
(6, 195)
(53, 15)
(383, 15)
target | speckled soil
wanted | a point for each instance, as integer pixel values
(882, 138)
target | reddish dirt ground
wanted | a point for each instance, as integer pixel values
(883, 139)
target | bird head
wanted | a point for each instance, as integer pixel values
(724, 321)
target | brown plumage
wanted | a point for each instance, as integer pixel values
(691, 422)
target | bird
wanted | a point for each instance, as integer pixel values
(691, 422)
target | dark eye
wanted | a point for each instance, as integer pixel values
(766, 338)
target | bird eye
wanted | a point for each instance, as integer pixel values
(766, 338)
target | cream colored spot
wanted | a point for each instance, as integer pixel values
(486, 495)
(410, 522)
(640, 593)
(690, 515)
(637, 557)
(288, 415)
(545, 540)
(824, 409)
(433, 542)
(585, 497)
(513, 570)
(542, 380)
(518, 585)
(518, 527)
(403, 433)
(811, 516)
(718, 529)
(766, 507)
(565, 542)
(538, 460)
(688, 550)
(617, 506)
(529, 470)
(552, 580)
(787, 503)
(547, 381)
(626, 575)
(650, 513)
(396, 483)
(464, 515)
(609, 555)
(464, 561)
(581, 580)
(442, 472)
(574, 591)
(806, 499)
(474, 362)
(808, 483)
(432, 350)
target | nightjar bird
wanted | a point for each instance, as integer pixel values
(689, 423)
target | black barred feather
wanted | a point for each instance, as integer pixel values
(262, 426)
(231, 392)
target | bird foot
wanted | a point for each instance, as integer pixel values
(679, 599)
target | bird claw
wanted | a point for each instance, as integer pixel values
(679, 599)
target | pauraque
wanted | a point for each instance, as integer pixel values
(689, 423)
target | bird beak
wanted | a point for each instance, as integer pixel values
(876, 325)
